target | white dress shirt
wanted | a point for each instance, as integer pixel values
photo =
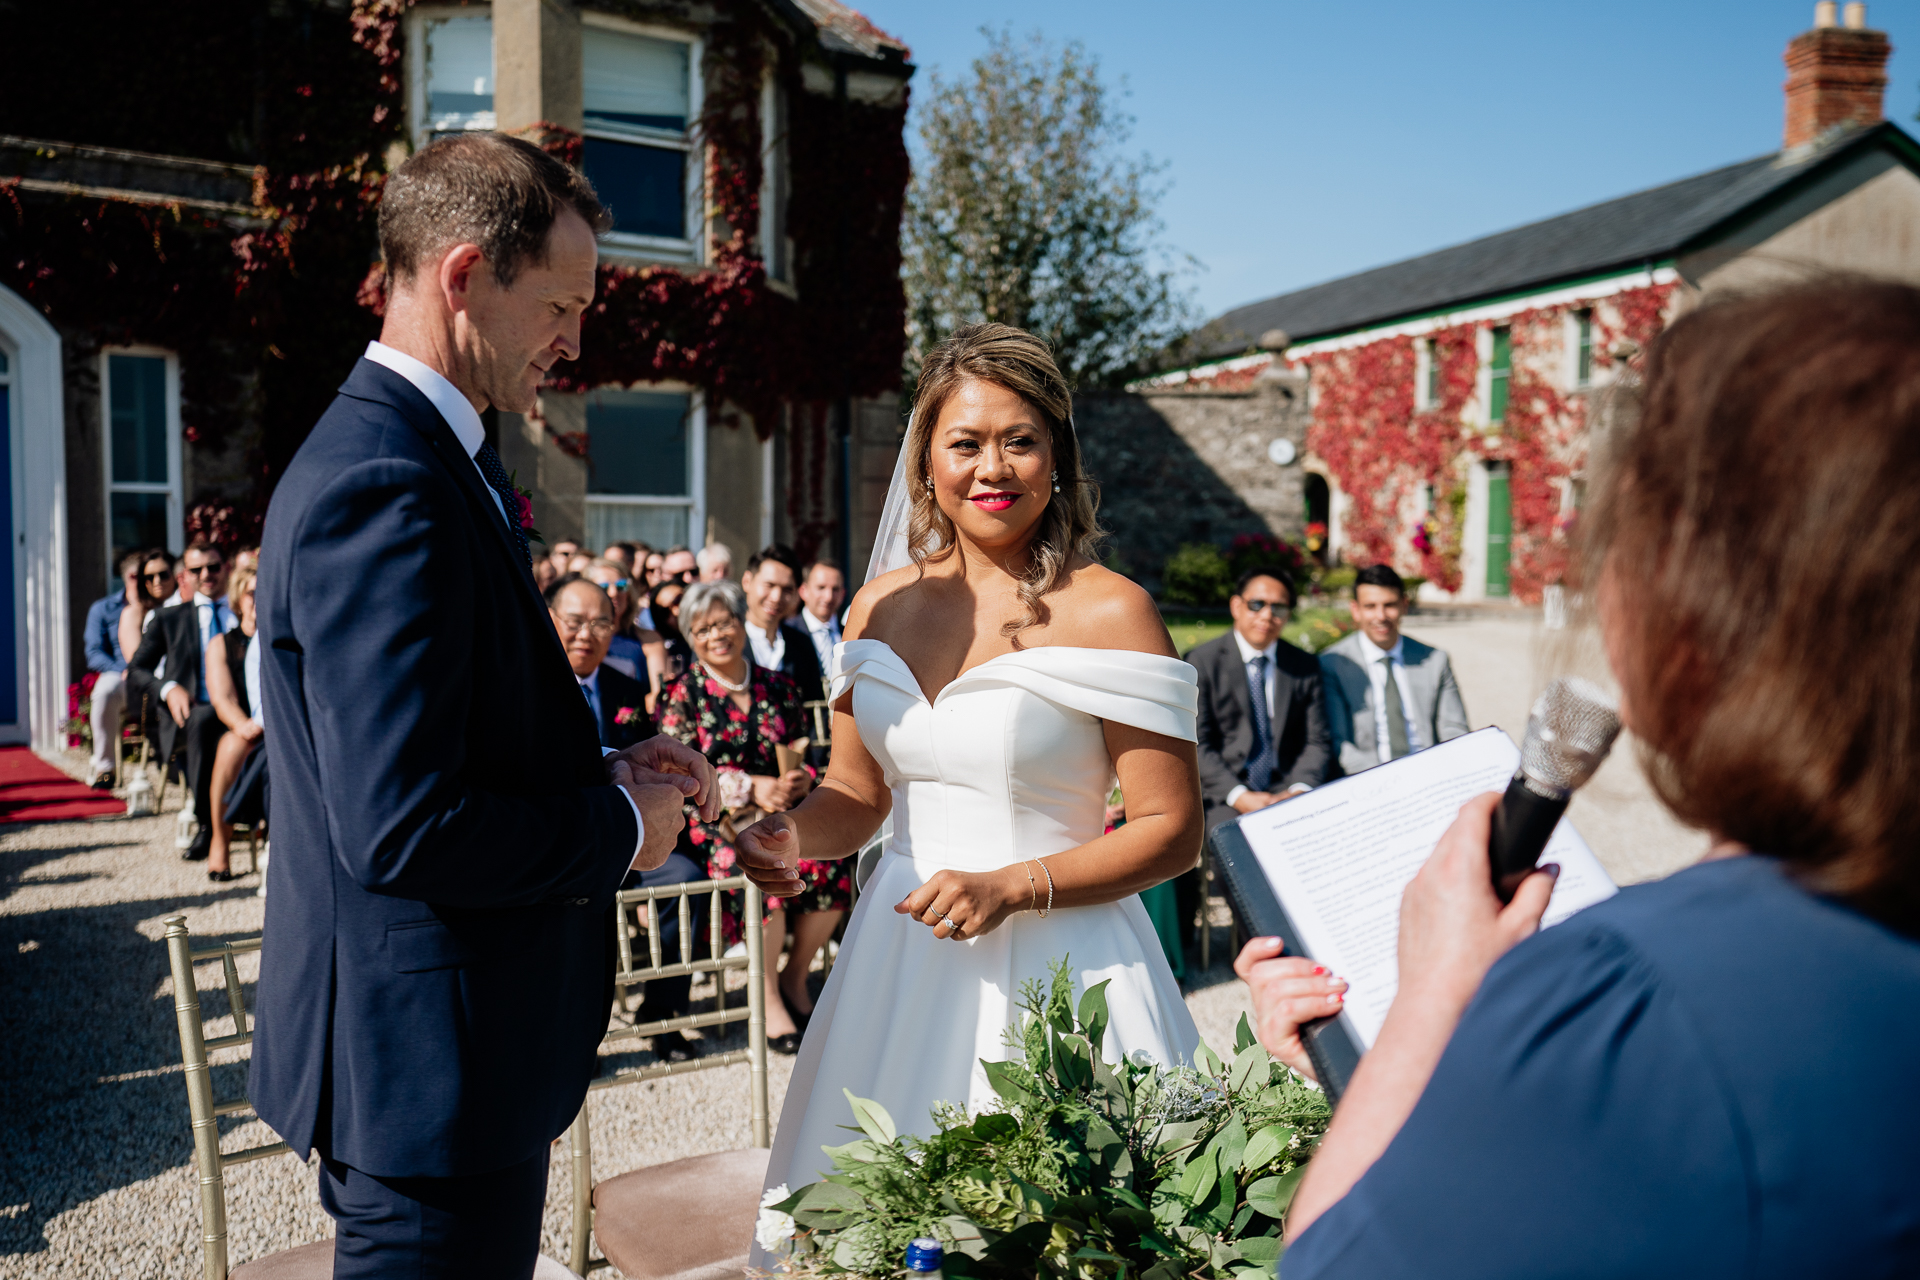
(448, 399)
(250, 672)
(1377, 679)
(1247, 654)
(769, 651)
(468, 430)
(825, 633)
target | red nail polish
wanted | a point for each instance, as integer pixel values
(1319, 969)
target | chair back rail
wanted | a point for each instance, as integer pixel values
(210, 1162)
(631, 974)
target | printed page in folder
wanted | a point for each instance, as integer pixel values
(1340, 857)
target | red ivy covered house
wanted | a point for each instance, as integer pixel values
(188, 268)
(1451, 393)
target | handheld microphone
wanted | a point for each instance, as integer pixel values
(1570, 731)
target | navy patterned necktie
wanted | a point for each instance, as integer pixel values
(509, 499)
(1261, 760)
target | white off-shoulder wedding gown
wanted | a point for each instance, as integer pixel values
(1008, 762)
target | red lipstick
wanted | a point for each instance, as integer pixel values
(994, 501)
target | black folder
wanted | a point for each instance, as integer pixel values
(1331, 1043)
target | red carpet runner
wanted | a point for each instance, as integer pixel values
(31, 790)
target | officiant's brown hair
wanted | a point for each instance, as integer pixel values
(1023, 364)
(1754, 543)
(502, 194)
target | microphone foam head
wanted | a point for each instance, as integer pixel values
(1572, 728)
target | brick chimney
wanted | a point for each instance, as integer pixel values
(1835, 74)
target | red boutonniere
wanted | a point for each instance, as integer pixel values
(526, 508)
(626, 715)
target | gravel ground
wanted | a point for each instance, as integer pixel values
(97, 1179)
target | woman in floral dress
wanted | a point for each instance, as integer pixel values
(736, 714)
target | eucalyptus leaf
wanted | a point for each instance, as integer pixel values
(1266, 1146)
(1231, 1145)
(1245, 1063)
(1262, 1249)
(1264, 1194)
(873, 1118)
(1289, 1182)
(995, 1126)
(1005, 1083)
(859, 1151)
(1093, 1011)
(965, 1235)
(1243, 1035)
(1207, 1060)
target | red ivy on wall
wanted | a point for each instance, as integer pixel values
(1381, 449)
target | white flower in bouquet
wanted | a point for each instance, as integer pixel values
(736, 787)
(774, 1228)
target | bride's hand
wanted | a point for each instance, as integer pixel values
(769, 855)
(974, 903)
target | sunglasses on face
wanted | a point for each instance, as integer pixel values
(166, 575)
(619, 584)
(1261, 606)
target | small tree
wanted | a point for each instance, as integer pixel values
(1024, 210)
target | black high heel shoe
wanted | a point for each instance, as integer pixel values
(788, 1044)
(222, 877)
(800, 1019)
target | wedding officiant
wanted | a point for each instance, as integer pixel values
(1711, 1075)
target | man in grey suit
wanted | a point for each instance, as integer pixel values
(1387, 695)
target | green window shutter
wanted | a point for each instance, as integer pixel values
(1583, 370)
(1502, 374)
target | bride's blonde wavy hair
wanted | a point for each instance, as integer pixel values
(1021, 363)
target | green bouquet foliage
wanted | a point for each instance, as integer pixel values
(1084, 1169)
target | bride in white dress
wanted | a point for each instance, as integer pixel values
(989, 692)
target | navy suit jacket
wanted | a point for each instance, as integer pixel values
(622, 693)
(434, 974)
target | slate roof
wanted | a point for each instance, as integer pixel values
(1620, 234)
(844, 29)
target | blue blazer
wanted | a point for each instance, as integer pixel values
(435, 972)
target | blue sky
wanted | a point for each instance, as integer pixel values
(1307, 141)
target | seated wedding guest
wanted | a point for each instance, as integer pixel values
(108, 662)
(1255, 751)
(624, 554)
(1710, 1075)
(736, 712)
(156, 584)
(233, 687)
(544, 574)
(772, 587)
(179, 636)
(679, 565)
(246, 558)
(655, 569)
(715, 561)
(666, 604)
(637, 653)
(583, 616)
(1373, 718)
(561, 554)
(823, 593)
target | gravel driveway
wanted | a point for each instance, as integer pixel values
(96, 1179)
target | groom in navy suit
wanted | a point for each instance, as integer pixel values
(448, 836)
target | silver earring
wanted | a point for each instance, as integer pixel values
(929, 484)
(1056, 482)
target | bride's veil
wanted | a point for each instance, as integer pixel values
(890, 549)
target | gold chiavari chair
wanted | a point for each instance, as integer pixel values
(209, 1161)
(304, 1262)
(689, 1219)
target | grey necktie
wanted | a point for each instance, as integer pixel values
(1396, 713)
(1260, 763)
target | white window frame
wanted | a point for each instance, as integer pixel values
(174, 486)
(1422, 370)
(628, 245)
(695, 499)
(419, 127)
(1574, 381)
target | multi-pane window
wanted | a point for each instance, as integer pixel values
(643, 467)
(639, 99)
(1502, 374)
(143, 454)
(1582, 348)
(457, 75)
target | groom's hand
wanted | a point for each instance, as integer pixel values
(661, 799)
(667, 760)
(768, 853)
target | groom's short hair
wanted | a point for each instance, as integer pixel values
(485, 189)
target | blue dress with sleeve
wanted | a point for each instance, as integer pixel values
(1715, 1075)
